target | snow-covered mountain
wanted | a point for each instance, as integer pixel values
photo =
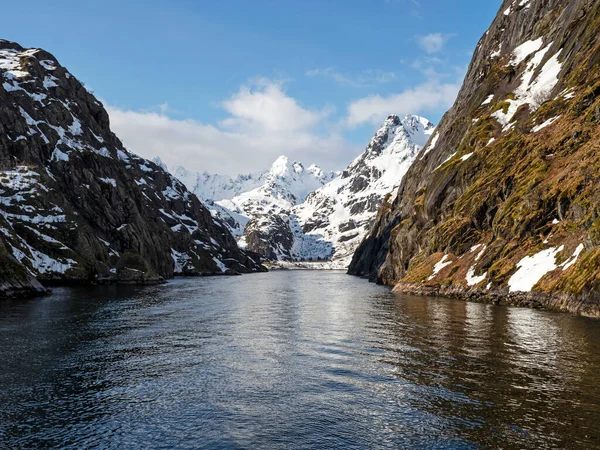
(295, 213)
(287, 184)
(237, 200)
(208, 186)
(341, 212)
(334, 219)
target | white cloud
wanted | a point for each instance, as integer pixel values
(428, 96)
(434, 42)
(265, 107)
(436, 94)
(263, 123)
(369, 77)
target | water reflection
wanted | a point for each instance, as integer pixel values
(516, 377)
(292, 360)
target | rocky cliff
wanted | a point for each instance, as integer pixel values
(503, 203)
(75, 206)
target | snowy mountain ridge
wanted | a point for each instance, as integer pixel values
(208, 186)
(291, 178)
(342, 211)
(286, 184)
(235, 200)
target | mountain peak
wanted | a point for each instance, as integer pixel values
(415, 120)
(392, 120)
(280, 167)
(6, 44)
(410, 121)
(397, 134)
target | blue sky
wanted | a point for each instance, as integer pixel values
(226, 86)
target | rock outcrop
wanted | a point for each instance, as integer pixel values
(75, 206)
(504, 200)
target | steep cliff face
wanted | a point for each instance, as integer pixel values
(503, 203)
(75, 206)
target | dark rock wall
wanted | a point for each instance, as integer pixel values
(74, 201)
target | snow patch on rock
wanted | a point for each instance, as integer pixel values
(573, 259)
(545, 124)
(532, 269)
(532, 91)
(444, 262)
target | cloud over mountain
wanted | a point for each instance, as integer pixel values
(263, 121)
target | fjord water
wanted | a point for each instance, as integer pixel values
(292, 360)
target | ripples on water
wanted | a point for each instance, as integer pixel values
(292, 360)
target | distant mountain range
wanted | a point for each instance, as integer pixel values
(294, 213)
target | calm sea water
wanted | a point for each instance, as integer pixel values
(292, 360)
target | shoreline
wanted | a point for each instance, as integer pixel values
(306, 265)
(12, 293)
(560, 302)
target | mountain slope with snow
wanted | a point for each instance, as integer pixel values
(218, 187)
(235, 201)
(286, 185)
(504, 202)
(342, 211)
(75, 205)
